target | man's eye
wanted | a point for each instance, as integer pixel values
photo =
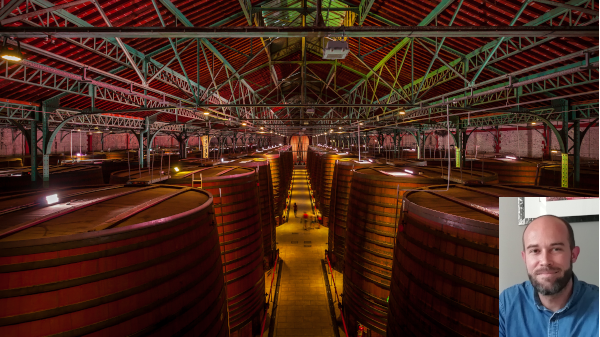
(533, 251)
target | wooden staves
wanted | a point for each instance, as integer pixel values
(324, 187)
(19, 178)
(551, 175)
(510, 171)
(374, 210)
(237, 214)
(340, 196)
(266, 200)
(10, 162)
(111, 261)
(445, 272)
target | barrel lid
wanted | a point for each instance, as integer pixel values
(460, 206)
(457, 175)
(408, 162)
(249, 162)
(101, 209)
(399, 174)
(52, 169)
(211, 173)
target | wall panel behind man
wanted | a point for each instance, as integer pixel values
(512, 267)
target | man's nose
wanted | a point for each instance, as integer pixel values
(545, 259)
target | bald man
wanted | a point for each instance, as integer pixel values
(553, 303)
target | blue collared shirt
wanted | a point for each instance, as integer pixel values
(523, 315)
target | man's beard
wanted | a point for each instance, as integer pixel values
(556, 287)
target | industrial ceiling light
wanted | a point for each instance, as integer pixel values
(402, 112)
(361, 123)
(243, 124)
(11, 54)
(206, 113)
(336, 50)
(533, 123)
(262, 127)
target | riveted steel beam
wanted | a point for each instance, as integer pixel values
(306, 32)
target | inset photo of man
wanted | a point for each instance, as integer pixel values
(548, 267)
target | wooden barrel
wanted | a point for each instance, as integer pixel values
(407, 162)
(53, 159)
(19, 178)
(551, 175)
(445, 272)
(511, 171)
(237, 214)
(372, 219)
(108, 166)
(340, 196)
(311, 163)
(324, 187)
(111, 261)
(267, 215)
(457, 175)
(319, 176)
(277, 178)
(11, 162)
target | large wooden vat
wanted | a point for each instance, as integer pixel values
(311, 163)
(372, 220)
(53, 159)
(340, 196)
(11, 162)
(279, 180)
(111, 261)
(108, 166)
(551, 175)
(237, 213)
(19, 178)
(457, 175)
(267, 215)
(445, 273)
(326, 178)
(510, 171)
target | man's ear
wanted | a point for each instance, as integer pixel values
(575, 253)
(523, 256)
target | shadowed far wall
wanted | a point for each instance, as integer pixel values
(12, 142)
(523, 143)
(512, 267)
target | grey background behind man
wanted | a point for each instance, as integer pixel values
(512, 268)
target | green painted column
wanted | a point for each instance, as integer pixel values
(33, 147)
(46, 155)
(576, 153)
(564, 107)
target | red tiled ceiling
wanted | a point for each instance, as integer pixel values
(141, 13)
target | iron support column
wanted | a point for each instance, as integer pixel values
(576, 153)
(33, 147)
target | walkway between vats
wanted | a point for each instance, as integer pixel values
(302, 308)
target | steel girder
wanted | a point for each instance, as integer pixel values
(114, 52)
(502, 49)
(306, 32)
(47, 77)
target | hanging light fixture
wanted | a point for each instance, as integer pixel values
(11, 54)
(402, 112)
(206, 113)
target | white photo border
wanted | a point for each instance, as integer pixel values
(523, 221)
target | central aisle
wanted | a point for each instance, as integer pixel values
(302, 308)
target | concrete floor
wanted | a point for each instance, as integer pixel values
(302, 309)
